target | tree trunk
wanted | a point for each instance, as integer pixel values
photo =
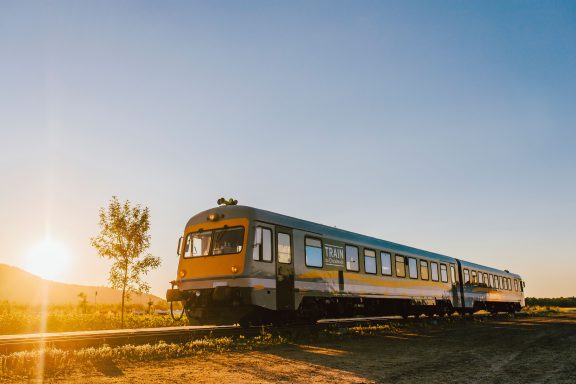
(124, 294)
(122, 316)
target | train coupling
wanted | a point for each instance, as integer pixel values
(178, 295)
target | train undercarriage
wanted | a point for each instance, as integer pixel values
(233, 305)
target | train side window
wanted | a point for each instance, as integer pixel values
(500, 284)
(496, 282)
(188, 246)
(434, 271)
(284, 252)
(453, 274)
(473, 277)
(508, 284)
(262, 244)
(486, 279)
(370, 261)
(491, 281)
(466, 276)
(424, 270)
(352, 258)
(480, 278)
(386, 262)
(516, 285)
(522, 285)
(313, 252)
(412, 268)
(443, 273)
(400, 266)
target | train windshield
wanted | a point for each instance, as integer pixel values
(215, 242)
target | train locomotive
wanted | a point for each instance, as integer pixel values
(244, 265)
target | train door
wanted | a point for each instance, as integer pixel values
(284, 269)
(455, 286)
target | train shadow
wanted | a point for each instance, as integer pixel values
(458, 351)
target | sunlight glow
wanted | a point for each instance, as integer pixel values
(47, 259)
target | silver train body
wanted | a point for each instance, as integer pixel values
(245, 265)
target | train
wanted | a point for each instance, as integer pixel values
(248, 266)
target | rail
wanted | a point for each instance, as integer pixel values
(183, 334)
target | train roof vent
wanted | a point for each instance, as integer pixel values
(507, 271)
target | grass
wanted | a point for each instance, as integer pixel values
(57, 362)
(18, 319)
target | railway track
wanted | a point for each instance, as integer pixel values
(183, 334)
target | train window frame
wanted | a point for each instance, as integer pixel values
(217, 240)
(403, 262)
(306, 238)
(443, 277)
(466, 275)
(480, 278)
(375, 261)
(434, 269)
(491, 277)
(473, 278)
(500, 283)
(282, 261)
(453, 273)
(389, 263)
(259, 243)
(516, 285)
(415, 262)
(485, 279)
(212, 233)
(349, 246)
(187, 250)
(424, 263)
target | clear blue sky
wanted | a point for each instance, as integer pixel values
(446, 125)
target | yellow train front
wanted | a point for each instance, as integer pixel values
(245, 265)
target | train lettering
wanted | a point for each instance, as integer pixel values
(334, 255)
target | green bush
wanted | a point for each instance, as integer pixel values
(563, 302)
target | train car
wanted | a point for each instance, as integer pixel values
(250, 266)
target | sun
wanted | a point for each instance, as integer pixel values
(48, 259)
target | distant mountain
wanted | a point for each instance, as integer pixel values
(19, 286)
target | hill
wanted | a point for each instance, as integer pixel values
(21, 287)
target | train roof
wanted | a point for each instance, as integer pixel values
(236, 211)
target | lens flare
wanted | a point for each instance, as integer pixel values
(48, 259)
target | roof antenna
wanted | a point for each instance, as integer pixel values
(230, 201)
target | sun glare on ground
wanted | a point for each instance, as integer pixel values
(47, 259)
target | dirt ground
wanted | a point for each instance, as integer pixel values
(521, 350)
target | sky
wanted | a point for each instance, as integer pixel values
(446, 125)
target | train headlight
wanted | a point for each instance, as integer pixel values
(234, 269)
(182, 273)
(213, 217)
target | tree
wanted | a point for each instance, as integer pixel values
(150, 304)
(124, 239)
(83, 301)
